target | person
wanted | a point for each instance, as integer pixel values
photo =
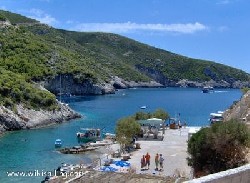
(156, 161)
(147, 157)
(143, 162)
(161, 159)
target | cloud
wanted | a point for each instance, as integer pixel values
(128, 27)
(42, 17)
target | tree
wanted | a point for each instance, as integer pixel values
(142, 115)
(126, 129)
(160, 113)
(219, 147)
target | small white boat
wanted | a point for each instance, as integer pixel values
(143, 107)
(207, 89)
(216, 117)
(58, 143)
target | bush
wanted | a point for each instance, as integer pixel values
(219, 147)
(158, 113)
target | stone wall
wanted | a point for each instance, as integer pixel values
(236, 175)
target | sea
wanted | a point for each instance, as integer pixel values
(29, 155)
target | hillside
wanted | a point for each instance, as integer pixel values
(97, 63)
(240, 110)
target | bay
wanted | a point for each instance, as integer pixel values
(33, 150)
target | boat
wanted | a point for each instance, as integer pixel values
(216, 117)
(58, 143)
(207, 89)
(88, 135)
(143, 107)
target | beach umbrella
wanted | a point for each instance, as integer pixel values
(108, 169)
(121, 163)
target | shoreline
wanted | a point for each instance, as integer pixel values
(2, 133)
(28, 119)
(173, 147)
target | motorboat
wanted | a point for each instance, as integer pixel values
(143, 107)
(207, 89)
(88, 135)
(216, 117)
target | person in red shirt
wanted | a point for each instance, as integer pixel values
(147, 157)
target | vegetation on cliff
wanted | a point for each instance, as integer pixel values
(15, 89)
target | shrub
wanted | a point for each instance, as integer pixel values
(219, 147)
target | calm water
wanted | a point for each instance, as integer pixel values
(33, 150)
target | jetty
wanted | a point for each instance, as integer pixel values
(76, 149)
(79, 149)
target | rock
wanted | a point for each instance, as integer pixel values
(240, 110)
(66, 83)
(118, 83)
(29, 118)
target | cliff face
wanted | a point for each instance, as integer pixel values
(239, 110)
(66, 84)
(28, 118)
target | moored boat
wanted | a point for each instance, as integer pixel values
(88, 135)
(216, 117)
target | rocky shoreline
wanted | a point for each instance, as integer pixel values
(29, 118)
(67, 85)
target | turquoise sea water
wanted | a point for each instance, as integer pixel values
(33, 150)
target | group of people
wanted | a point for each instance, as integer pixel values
(145, 162)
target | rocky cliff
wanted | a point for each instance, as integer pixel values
(66, 84)
(240, 110)
(25, 118)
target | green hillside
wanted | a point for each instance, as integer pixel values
(37, 52)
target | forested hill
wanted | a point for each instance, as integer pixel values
(97, 63)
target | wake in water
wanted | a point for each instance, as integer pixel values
(220, 91)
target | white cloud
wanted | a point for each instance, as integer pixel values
(42, 16)
(187, 28)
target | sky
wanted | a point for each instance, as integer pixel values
(215, 30)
